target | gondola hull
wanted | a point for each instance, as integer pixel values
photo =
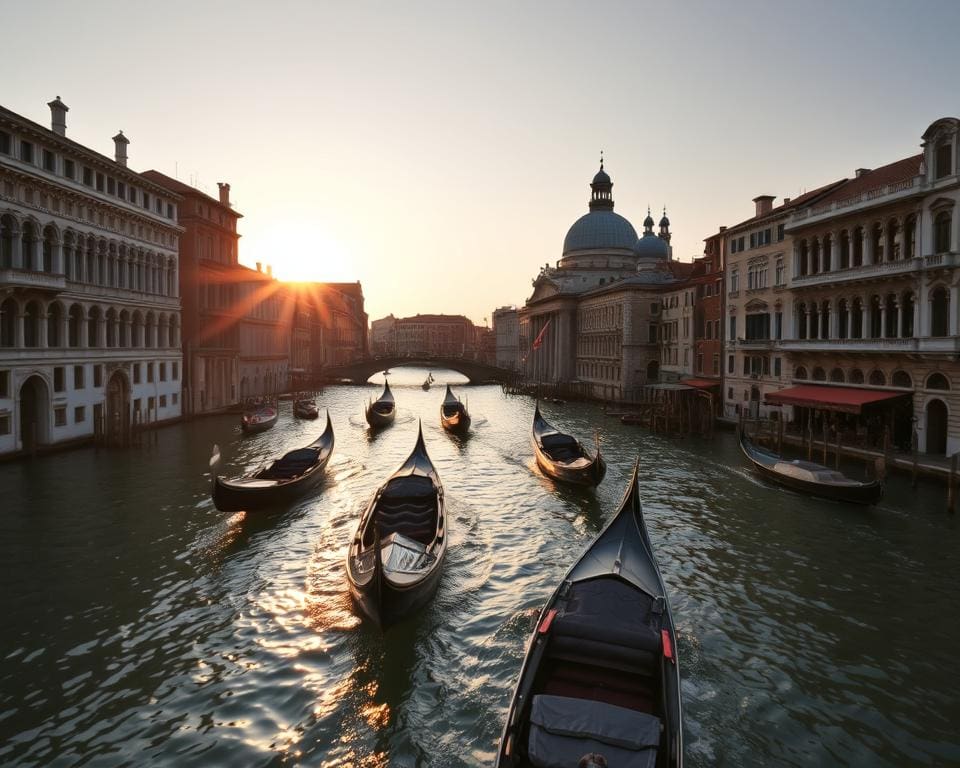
(379, 419)
(386, 604)
(287, 479)
(577, 467)
(305, 410)
(454, 416)
(602, 653)
(589, 475)
(854, 492)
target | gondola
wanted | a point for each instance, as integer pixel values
(562, 457)
(305, 409)
(811, 478)
(427, 382)
(284, 480)
(453, 414)
(396, 556)
(382, 412)
(601, 673)
(260, 419)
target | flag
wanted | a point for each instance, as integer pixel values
(537, 342)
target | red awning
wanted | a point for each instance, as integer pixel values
(700, 383)
(843, 399)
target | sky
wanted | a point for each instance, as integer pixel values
(439, 151)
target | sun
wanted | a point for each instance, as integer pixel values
(298, 252)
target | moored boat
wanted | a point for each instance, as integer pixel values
(809, 477)
(382, 411)
(562, 457)
(453, 414)
(601, 673)
(260, 418)
(396, 557)
(284, 480)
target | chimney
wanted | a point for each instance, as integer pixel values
(120, 148)
(224, 192)
(786, 201)
(58, 116)
(764, 204)
(259, 265)
(269, 270)
(723, 229)
(861, 171)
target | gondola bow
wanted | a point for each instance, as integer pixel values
(382, 411)
(562, 457)
(454, 416)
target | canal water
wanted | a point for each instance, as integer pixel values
(140, 626)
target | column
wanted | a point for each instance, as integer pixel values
(809, 322)
(834, 251)
(917, 301)
(42, 320)
(830, 321)
(65, 329)
(952, 306)
(19, 342)
(16, 254)
(57, 260)
(864, 324)
(867, 245)
(899, 307)
(883, 319)
(101, 332)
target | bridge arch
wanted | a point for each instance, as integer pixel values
(358, 372)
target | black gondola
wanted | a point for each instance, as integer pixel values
(260, 419)
(396, 556)
(454, 415)
(562, 457)
(280, 483)
(382, 412)
(305, 409)
(601, 672)
(806, 476)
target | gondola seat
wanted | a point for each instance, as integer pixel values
(561, 447)
(292, 464)
(563, 729)
(408, 506)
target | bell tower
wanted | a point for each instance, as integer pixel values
(602, 188)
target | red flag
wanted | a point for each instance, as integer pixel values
(537, 342)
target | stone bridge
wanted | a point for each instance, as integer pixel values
(361, 370)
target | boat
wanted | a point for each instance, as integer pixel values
(453, 414)
(427, 382)
(284, 480)
(809, 477)
(382, 412)
(305, 409)
(562, 457)
(601, 673)
(259, 419)
(396, 556)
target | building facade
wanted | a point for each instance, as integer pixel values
(89, 290)
(876, 293)
(265, 331)
(506, 332)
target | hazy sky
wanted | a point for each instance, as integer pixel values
(438, 152)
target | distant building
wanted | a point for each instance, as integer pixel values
(382, 336)
(433, 336)
(506, 331)
(89, 290)
(265, 331)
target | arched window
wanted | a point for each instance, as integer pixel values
(937, 381)
(836, 376)
(49, 242)
(138, 338)
(941, 232)
(856, 376)
(856, 319)
(54, 324)
(819, 374)
(843, 319)
(857, 247)
(7, 226)
(174, 331)
(802, 321)
(943, 161)
(111, 327)
(878, 378)
(76, 323)
(891, 307)
(93, 327)
(825, 320)
(800, 372)
(31, 325)
(826, 246)
(910, 237)
(877, 232)
(150, 339)
(939, 303)
(902, 379)
(875, 317)
(892, 246)
(845, 245)
(8, 323)
(28, 240)
(907, 308)
(125, 329)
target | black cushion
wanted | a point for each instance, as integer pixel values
(409, 486)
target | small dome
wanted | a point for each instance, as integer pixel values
(601, 177)
(600, 229)
(648, 222)
(651, 246)
(664, 222)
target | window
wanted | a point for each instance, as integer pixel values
(652, 334)
(149, 372)
(163, 401)
(734, 280)
(137, 405)
(58, 379)
(730, 365)
(78, 377)
(98, 375)
(5, 142)
(729, 393)
(943, 160)
(87, 177)
(121, 190)
(174, 398)
(4, 424)
(60, 416)
(941, 232)
(733, 329)
(151, 404)
(716, 329)
(716, 364)
(136, 373)
(26, 151)
(111, 186)
(753, 239)
(163, 371)
(781, 273)
(776, 366)
(4, 383)
(99, 182)
(758, 326)
(69, 169)
(169, 210)
(175, 371)
(132, 194)
(778, 325)
(146, 201)
(79, 414)
(49, 161)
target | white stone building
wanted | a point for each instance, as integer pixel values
(506, 329)
(89, 307)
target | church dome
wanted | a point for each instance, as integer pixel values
(601, 177)
(652, 247)
(600, 230)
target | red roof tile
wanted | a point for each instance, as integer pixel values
(901, 170)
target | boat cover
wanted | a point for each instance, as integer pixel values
(292, 464)
(610, 610)
(409, 487)
(561, 447)
(563, 729)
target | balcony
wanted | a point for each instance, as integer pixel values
(42, 281)
(869, 199)
(852, 345)
(865, 272)
(755, 343)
